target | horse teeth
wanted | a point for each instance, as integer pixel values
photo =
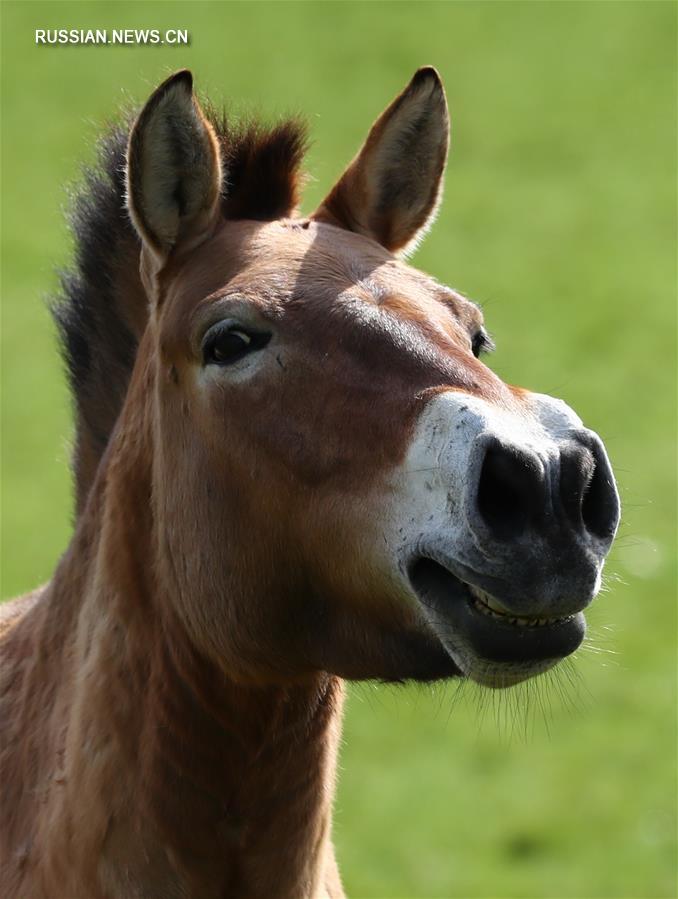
(487, 600)
(489, 606)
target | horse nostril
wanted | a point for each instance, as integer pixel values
(587, 489)
(509, 490)
(600, 506)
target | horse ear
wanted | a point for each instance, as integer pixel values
(173, 169)
(391, 190)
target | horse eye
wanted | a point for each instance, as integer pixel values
(481, 342)
(225, 344)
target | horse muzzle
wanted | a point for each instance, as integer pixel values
(515, 513)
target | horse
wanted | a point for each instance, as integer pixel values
(292, 469)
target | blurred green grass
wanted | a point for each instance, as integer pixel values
(560, 218)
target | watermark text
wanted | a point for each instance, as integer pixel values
(105, 36)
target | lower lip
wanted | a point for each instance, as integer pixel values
(493, 637)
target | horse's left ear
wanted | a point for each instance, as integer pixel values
(391, 190)
(174, 174)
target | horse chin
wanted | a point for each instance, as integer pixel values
(489, 644)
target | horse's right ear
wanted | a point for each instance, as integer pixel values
(173, 170)
(391, 190)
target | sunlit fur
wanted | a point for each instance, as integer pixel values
(171, 700)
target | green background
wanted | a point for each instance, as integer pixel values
(560, 218)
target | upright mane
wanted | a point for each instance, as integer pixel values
(101, 309)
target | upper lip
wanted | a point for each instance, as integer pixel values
(489, 605)
(492, 594)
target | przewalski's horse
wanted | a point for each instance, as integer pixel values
(291, 469)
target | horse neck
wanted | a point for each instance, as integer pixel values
(236, 777)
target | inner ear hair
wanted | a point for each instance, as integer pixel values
(173, 168)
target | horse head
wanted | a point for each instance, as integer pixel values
(340, 483)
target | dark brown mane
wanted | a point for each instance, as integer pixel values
(101, 309)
